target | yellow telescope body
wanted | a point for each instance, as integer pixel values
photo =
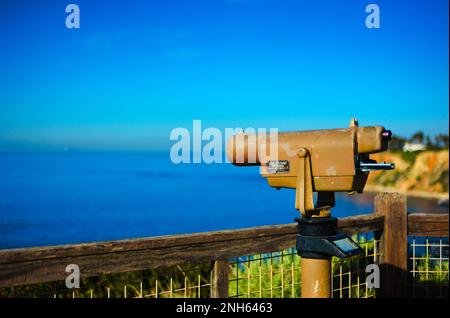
(322, 161)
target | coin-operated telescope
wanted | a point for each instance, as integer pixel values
(322, 161)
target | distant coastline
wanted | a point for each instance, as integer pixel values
(423, 174)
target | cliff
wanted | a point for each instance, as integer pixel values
(421, 173)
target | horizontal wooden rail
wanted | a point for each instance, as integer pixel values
(421, 224)
(44, 264)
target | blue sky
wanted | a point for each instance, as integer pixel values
(137, 69)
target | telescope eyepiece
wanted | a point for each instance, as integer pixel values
(387, 135)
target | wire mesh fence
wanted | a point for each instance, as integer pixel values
(277, 274)
(428, 267)
(349, 275)
(267, 275)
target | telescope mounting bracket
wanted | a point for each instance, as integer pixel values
(304, 198)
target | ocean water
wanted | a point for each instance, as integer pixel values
(50, 199)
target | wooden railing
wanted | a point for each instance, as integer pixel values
(390, 222)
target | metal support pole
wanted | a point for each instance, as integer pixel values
(315, 269)
(316, 278)
(317, 242)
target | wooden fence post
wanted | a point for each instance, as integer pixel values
(220, 278)
(393, 244)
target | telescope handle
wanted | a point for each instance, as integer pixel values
(373, 166)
